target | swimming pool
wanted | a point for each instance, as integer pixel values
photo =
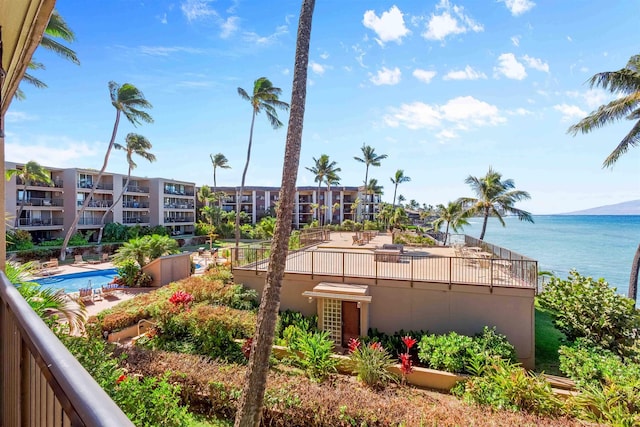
(75, 281)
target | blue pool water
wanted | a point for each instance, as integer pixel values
(75, 281)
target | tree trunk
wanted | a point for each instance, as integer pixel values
(484, 224)
(633, 279)
(250, 408)
(366, 189)
(244, 175)
(395, 189)
(72, 228)
(104, 217)
(446, 234)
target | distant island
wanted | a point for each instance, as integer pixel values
(631, 207)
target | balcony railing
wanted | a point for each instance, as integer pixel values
(57, 183)
(179, 192)
(39, 201)
(179, 219)
(97, 203)
(89, 186)
(43, 222)
(41, 383)
(179, 206)
(89, 221)
(136, 189)
(136, 220)
(407, 266)
(135, 205)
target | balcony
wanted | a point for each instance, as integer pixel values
(42, 383)
(179, 220)
(56, 183)
(135, 205)
(97, 203)
(179, 206)
(43, 222)
(89, 186)
(39, 201)
(178, 192)
(136, 220)
(136, 189)
(89, 221)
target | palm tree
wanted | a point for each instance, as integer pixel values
(127, 100)
(453, 214)
(401, 199)
(146, 248)
(384, 214)
(136, 144)
(46, 302)
(399, 218)
(323, 169)
(369, 158)
(396, 180)
(218, 161)
(494, 197)
(265, 98)
(332, 179)
(250, 405)
(56, 28)
(373, 189)
(31, 173)
(624, 82)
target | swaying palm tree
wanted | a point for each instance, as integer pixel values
(401, 199)
(373, 189)
(31, 173)
(136, 144)
(265, 98)
(250, 405)
(369, 158)
(332, 179)
(453, 214)
(322, 169)
(624, 82)
(218, 161)
(396, 180)
(56, 28)
(127, 100)
(494, 197)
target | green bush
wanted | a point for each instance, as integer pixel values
(504, 385)
(392, 343)
(584, 307)
(54, 242)
(412, 239)
(19, 240)
(79, 239)
(372, 225)
(115, 232)
(371, 364)
(288, 318)
(314, 353)
(463, 354)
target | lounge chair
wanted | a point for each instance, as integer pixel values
(110, 289)
(85, 294)
(79, 260)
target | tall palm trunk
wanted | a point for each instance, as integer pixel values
(250, 407)
(104, 217)
(395, 189)
(446, 234)
(319, 206)
(484, 223)
(72, 228)
(366, 186)
(244, 175)
(633, 279)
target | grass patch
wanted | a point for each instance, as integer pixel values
(203, 421)
(548, 341)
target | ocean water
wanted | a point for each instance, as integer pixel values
(594, 245)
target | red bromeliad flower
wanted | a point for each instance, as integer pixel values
(181, 298)
(353, 344)
(376, 346)
(246, 347)
(121, 378)
(409, 342)
(405, 363)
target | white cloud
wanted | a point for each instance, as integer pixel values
(197, 9)
(167, 50)
(520, 112)
(536, 63)
(446, 134)
(424, 75)
(467, 74)
(515, 40)
(452, 20)
(569, 112)
(53, 151)
(324, 55)
(464, 112)
(229, 26)
(360, 53)
(518, 7)
(386, 76)
(18, 116)
(252, 37)
(592, 97)
(163, 20)
(510, 67)
(389, 27)
(316, 68)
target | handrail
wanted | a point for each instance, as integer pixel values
(26, 339)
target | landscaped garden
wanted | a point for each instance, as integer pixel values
(193, 360)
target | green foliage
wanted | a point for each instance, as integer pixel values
(204, 229)
(288, 318)
(463, 354)
(78, 239)
(348, 225)
(19, 240)
(372, 225)
(392, 343)
(115, 232)
(504, 385)
(313, 354)
(371, 363)
(294, 240)
(584, 307)
(131, 275)
(412, 239)
(53, 242)
(145, 249)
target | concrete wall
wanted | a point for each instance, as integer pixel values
(435, 307)
(169, 269)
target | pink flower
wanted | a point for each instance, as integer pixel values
(409, 342)
(405, 363)
(376, 346)
(181, 298)
(353, 344)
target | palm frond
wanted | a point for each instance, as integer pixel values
(605, 114)
(632, 139)
(28, 78)
(59, 49)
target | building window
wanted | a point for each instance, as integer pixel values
(332, 319)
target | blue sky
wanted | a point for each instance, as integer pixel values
(445, 88)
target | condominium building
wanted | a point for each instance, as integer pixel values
(47, 211)
(335, 205)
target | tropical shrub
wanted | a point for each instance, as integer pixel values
(591, 309)
(131, 275)
(504, 385)
(145, 249)
(462, 354)
(288, 318)
(19, 240)
(393, 343)
(314, 353)
(372, 225)
(79, 239)
(412, 239)
(53, 242)
(371, 363)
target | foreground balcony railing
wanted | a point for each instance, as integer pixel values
(43, 222)
(41, 383)
(408, 266)
(136, 220)
(41, 201)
